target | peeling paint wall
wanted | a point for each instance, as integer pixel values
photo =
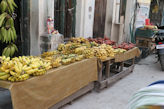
(85, 18)
(40, 10)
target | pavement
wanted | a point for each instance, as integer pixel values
(117, 96)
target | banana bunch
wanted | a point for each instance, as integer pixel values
(50, 53)
(4, 59)
(88, 53)
(79, 40)
(22, 67)
(39, 72)
(8, 35)
(66, 61)
(4, 75)
(80, 50)
(119, 51)
(56, 62)
(100, 53)
(7, 5)
(18, 79)
(9, 50)
(79, 58)
(110, 51)
(3, 18)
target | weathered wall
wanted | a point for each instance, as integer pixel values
(109, 17)
(34, 27)
(40, 10)
(129, 17)
(85, 18)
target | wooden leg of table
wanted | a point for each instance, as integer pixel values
(107, 69)
(133, 61)
(100, 73)
(122, 66)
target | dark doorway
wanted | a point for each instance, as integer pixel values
(65, 17)
(99, 19)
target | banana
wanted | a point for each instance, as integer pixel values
(31, 71)
(3, 6)
(2, 73)
(14, 4)
(4, 51)
(10, 22)
(14, 74)
(10, 5)
(1, 37)
(2, 18)
(12, 51)
(5, 77)
(8, 37)
(14, 32)
(8, 52)
(3, 33)
(12, 35)
(16, 49)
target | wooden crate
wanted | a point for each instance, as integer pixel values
(74, 96)
(112, 73)
(146, 42)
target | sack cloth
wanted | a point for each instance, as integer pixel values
(42, 92)
(130, 54)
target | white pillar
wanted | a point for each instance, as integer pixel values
(85, 18)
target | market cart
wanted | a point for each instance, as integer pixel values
(58, 87)
(113, 69)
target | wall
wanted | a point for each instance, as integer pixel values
(85, 18)
(129, 18)
(109, 17)
(40, 10)
(34, 27)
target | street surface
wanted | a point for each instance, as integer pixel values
(117, 96)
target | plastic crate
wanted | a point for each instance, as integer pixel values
(147, 33)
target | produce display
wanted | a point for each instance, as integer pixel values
(21, 68)
(126, 46)
(104, 40)
(7, 30)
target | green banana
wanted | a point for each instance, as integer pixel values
(14, 32)
(12, 35)
(8, 37)
(5, 77)
(11, 7)
(2, 18)
(3, 6)
(4, 33)
(14, 4)
(16, 49)
(2, 73)
(10, 22)
(1, 37)
(4, 51)
(12, 51)
(8, 52)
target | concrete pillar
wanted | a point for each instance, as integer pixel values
(85, 18)
(40, 10)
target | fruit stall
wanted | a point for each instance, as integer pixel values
(57, 77)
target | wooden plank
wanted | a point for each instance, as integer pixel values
(99, 85)
(99, 19)
(74, 96)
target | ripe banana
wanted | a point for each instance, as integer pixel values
(4, 77)
(2, 73)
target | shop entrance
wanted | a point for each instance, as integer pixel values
(65, 17)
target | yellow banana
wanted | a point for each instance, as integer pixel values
(5, 77)
(2, 73)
